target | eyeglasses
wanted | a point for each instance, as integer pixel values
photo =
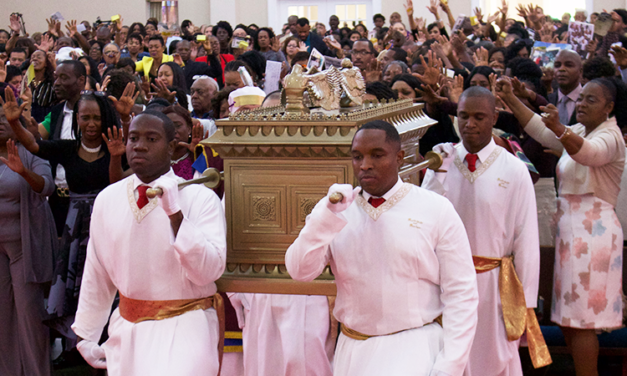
(361, 53)
(96, 93)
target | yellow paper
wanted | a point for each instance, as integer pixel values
(115, 18)
(201, 38)
(473, 20)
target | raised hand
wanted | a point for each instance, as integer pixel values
(11, 109)
(374, 71)
(145, 85)
(522, 12)
(115, 142)
(104, 85)
(552, 118)
(206, 44)
(620, 54)
(71, 28)
(433, 8)
(447, 48)
(302, 46)
(546, 34)
(478, 14)
(409, 8)
(433, 70)
(3, 73)
(198, 133)
(481, 57)
(503, 88)
(591, 47)
(519, 89)
(52, 26)
(46, 43)
(14, 162)
(126, 102)
(429, 96)
(275, 44)
(457, 88)
(420, 23)
(177, 59)
(14, 23)
(504, 8)
(162, 91)
(52, 59)
(444, 5)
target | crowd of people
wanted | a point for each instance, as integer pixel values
(80, 104)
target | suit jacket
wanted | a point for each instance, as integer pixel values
(315, 41)
(553, 98)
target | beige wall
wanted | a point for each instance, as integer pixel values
(212, 11)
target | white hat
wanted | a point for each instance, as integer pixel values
(246, 96)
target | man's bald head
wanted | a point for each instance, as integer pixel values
(479, 92)
(568, 69)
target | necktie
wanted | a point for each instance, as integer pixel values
(563, 110)
(142, 200)
(472, 160)
(376, 201)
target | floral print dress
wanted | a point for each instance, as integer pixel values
(587, 280)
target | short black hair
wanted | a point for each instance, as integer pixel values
(622, 13)
(168, 125)
(77, 67)
(157, 37)
(399, 54)
(370, 45)
(302, 22)
(12, 71)
(19, 51)
(378, 16)
(119, 78)
(126, 62)
(137, 36)
(391, 133)
(300, 56)
(234, 65)
(599, 66)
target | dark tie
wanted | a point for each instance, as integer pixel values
(142, 200)
(472, 160)
(562, 108)
(376, 201)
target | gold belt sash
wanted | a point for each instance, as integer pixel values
(350, 333)
(136, 311)
(516, 315)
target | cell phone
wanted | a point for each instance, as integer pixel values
(450, 73)
(80, 28)
(201, 38)
(236, 42)
(115, 18)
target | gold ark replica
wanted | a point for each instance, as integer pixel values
(280, 161)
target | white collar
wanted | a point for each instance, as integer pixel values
(573, 95)
(483, 154)
(137, 182)
(67, 110)
(388, 194)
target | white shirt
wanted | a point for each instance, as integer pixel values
(134, 251)
(596, 168)
(396, 267)
(498, 208)
(66, 134)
